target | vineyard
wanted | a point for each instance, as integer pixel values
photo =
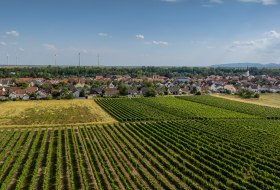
(261, 111)
(164, 108)
(158, 143)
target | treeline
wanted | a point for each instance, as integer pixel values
(89, 71)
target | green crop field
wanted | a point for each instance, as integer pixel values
(252, 109)
(158, 143)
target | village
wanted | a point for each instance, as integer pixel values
(118, 85)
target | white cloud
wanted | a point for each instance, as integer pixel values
(85, 51)
(239, 44)
(3, 43)
(20, 49)
(50, 47)
(216, 1)
(102, 34)
(140, 36)
(13, 33)
(263, 49)
(160, 43)
(157, 43)
(212, 3)
(264, 2)
(171, 1)
(269, 43)
(272, 34)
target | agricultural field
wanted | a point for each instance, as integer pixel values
(137, 155)
(164, 108)
(157, 143)
(133, 110)
(52, 112)
(266, 99)
(252, 109)
(191, 110)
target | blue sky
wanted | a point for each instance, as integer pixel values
(139, 32)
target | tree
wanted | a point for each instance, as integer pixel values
(148, 84)
(103, 92)
(48, 97)
(257, 95)
(194, 90)
(245, 93)
(55, 94)
(82, 93)
(33, 96)
(151, 92)
(123, 89)
(23, 85)
(69, 96)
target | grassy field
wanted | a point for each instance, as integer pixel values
(52, 112)
(272, 100)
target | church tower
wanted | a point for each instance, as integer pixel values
(247, 74)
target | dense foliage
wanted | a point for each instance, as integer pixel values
(246, 93)
(91, 71)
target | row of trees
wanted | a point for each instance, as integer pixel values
(90, 71)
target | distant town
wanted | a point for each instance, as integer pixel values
(30, 88)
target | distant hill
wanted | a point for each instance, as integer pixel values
(244, 65)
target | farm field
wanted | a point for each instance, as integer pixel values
(242, 107)
(52, 112)
(266, 99)
(157, 143)
(164, 108)
(140, 155)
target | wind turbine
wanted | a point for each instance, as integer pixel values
(79, 68)
(55, 59)
(55, 63)
(98, 60)
(79, 59)
(7, 59)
